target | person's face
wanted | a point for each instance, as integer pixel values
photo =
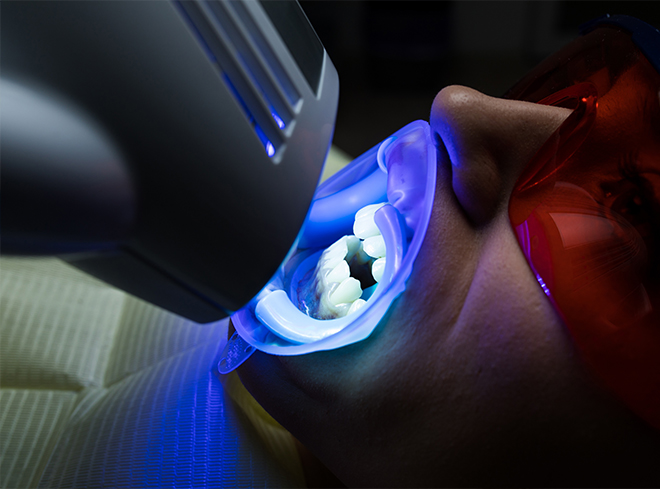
(471, 378)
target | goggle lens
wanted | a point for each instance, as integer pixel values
(586, 213)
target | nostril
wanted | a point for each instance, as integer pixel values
(468, 167)
(443, 161)
(441, 149)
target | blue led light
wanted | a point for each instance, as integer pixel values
(278, 120)
(268, 145)
(183, 8)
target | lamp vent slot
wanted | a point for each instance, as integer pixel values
(267, 53)
(236, 45)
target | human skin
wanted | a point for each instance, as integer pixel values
(472, 378)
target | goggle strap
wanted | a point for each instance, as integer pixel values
(645, 36)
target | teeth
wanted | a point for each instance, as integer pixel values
(335, 253)
(377, 269)
(358, 304)
(364, 225)
(336, 293)
(368, 210)
(338, 252)
(338, 274)
(331, 258)
(353, 245)
(341, 310)
(348, 291)
(375, 246)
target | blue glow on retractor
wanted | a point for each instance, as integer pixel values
(274, 323)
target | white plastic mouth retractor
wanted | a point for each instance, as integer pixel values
(402, 172)
(279, 314)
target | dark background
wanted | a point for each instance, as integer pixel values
(394, 56)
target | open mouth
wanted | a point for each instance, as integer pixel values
(348, 271)
(353, 256)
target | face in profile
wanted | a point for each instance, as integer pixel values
(472, 377)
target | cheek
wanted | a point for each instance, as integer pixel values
(519, 350)
(474, 327)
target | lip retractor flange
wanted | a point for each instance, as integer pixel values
(399, 172)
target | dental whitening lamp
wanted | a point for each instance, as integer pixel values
(173, 149)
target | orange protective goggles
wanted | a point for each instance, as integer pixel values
(586, 210)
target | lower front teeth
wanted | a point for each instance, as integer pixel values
(347, 292)
(339, 273)
(332, 290)
(356, 305)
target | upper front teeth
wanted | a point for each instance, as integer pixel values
(374, 246)
(364, 225)
(338, 293)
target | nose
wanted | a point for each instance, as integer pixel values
(488, 142)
